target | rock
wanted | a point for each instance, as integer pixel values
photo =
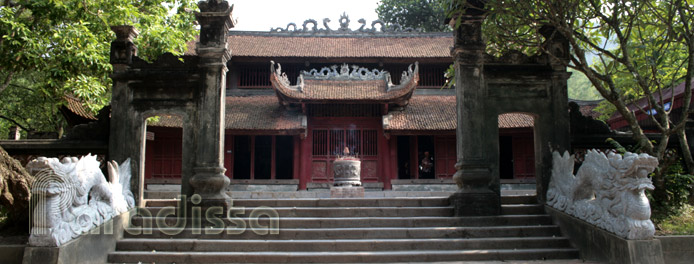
(15, 193)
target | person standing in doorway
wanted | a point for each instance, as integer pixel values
(426, 170)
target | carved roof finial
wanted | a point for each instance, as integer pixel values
(344, 22)
(215, 6)
(344, 28)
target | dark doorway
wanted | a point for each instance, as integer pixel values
(242, 157)
(284, 157)
(425, 151)
(263, 157)
(404, 157)
(506, 157)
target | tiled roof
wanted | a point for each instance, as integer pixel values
(438, 113)
(587, 108)
(345, 90)
(250, 113)
(267, 45)
(344, 86)
(75, 105)
(425, 113)
(515, 120)
(166, 121)
(642, 103)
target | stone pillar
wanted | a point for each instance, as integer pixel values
(123, 138)
(478, 195)
(553, 132)
(208, 179)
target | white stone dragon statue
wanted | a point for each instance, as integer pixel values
(72, 196)
(607, 191)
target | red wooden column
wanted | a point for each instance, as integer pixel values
(305, 161)
(384, 160)
(296, 172)
(149, 157)
(393, 157)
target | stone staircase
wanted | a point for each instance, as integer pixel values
(403, 229)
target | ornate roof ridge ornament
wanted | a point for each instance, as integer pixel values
(310, 27)
(284, 80)
(406, 77)
(319, 86)
(344, 73)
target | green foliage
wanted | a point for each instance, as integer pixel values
(678, 187)
(580, 87)
(624, 149)
(679, 224)
(26, 105)
(618, 147)
(429, 15)
(606, 110)
(67, 43)
(450, 77)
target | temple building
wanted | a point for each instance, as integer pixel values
(298, 98)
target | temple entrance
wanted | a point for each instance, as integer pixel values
(163, 154)
(404, 160)
(259, 157)
(516, 146)
(425, 157)
(331, 138)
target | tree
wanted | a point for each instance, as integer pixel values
(14, 192)
(580, 87)
(52, 48)
(640, 48)
(429, 15)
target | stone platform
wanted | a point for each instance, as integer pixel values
(347, 192)
(289, 189)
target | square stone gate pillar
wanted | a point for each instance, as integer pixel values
(208, 179)
(479, 192)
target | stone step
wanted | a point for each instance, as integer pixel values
(346, 233)
(149, 194)
(337, 211)
(342, 222)
(518, 199)
(348, 256)
(326, 202)
(522, 209)
(328, 245)
(164, 194)
(357, 202)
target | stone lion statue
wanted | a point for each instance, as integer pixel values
(72, 196)
(607, 191)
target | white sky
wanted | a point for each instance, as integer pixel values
(261, 15)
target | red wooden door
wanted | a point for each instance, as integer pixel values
(167, 153)
(523, 157)
(445, 156)
(329, 144)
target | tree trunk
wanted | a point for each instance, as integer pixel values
(15, 192)
(686, 152)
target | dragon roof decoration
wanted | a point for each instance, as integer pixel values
(310, 27)
(344, 83)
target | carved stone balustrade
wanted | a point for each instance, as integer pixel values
(72, 196)
(607, 191)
